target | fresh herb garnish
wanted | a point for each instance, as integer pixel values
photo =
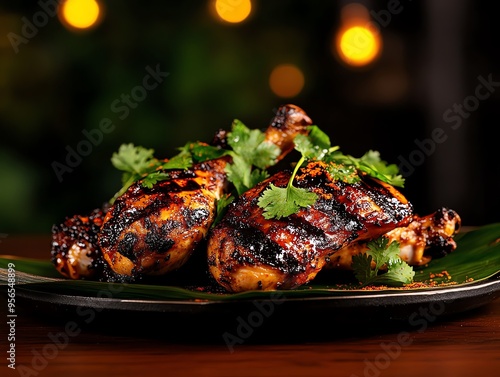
(278, 202)
(138, 163)
(221, 206)
(380, 253)
(251, 155)
(371, 164)
(199, 152)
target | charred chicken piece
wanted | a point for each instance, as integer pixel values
(288, 122)
(74, 251)
(154, 231)
(424, 238)
(248, 252)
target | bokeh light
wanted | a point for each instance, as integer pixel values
(286, 80)
(80, 14)
(358, 45)
(233, 11)
(358, 42)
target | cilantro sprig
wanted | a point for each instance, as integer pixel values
(138, 163)
(278, 202)
(371, 164)
(380, 253)
(251, 155)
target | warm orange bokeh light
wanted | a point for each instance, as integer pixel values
(233, 11)
(80, 14)
(286, 80)
(358, 45)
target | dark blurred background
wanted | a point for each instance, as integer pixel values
(161, 73)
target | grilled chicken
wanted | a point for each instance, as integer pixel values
(424, 238)
(74, 246)
(155, 231)
(248, 252)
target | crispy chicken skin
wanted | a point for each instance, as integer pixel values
(155, 231)
(424, 238)
(248, 252)
(288, 122)
(74, 246)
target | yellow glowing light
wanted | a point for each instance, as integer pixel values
(80, 14)
(233, 11)
(286, 80)
(358, 45)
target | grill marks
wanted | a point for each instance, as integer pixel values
(247, 251)
(154, 230)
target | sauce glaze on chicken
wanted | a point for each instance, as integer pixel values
(152, 231)
(247, 251)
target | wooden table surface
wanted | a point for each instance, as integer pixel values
(464, 344)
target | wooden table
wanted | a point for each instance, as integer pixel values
(466, 344)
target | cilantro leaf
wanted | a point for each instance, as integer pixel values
(367, 266)
(241, 174)
(199, 152)
(315, 145)
(362, 266)
(138, 163)
(398, 273)
(279, 202)
(345, 173)
(251, 155)
(153, 178)
(371, 164)
(251, 146)
(382, 253)
(221, 207)
(132, 159)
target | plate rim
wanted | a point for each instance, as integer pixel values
(485, 291)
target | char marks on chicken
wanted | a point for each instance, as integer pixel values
(247, 251)
(152, 231)
(424, 238)
(74, 246)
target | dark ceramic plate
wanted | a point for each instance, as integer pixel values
(472, 280)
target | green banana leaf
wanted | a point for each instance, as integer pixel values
(476, 258)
